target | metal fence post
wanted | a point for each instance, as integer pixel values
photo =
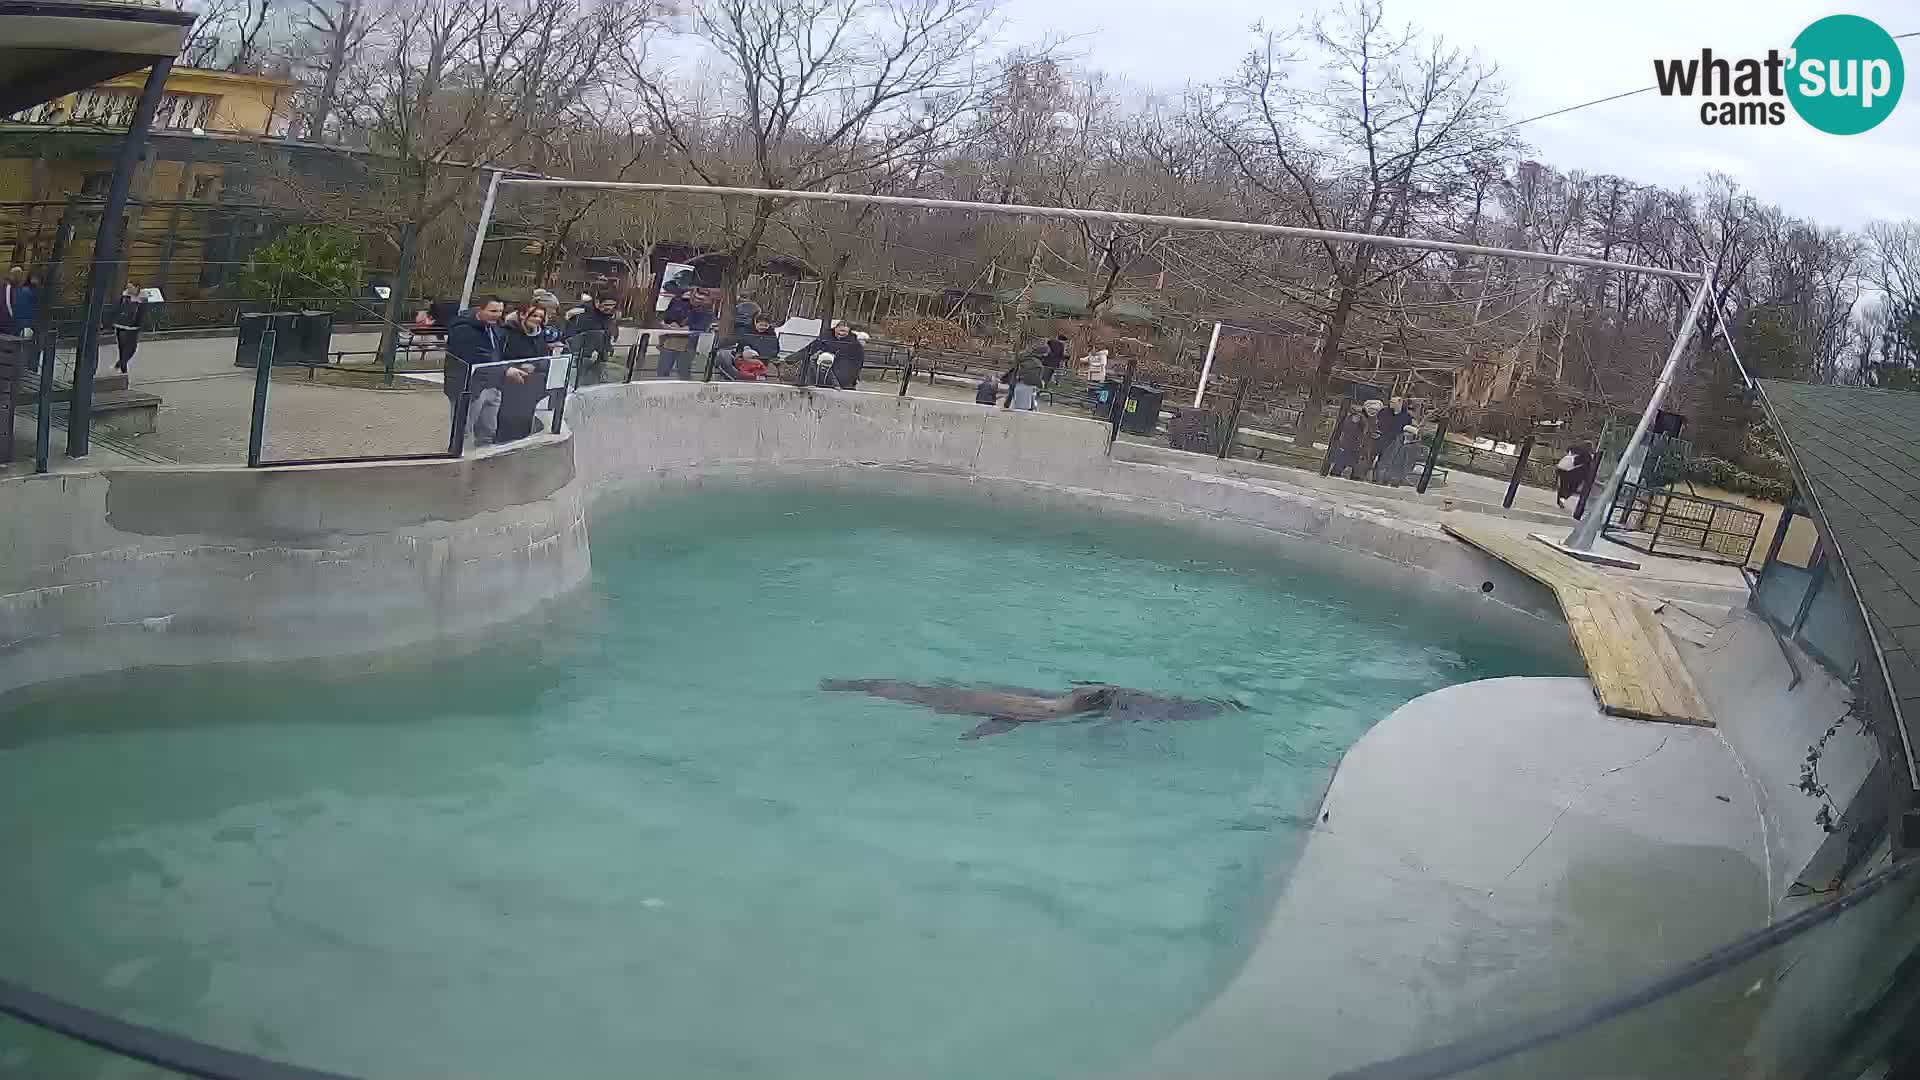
(906, 372)
(1519, 467)
(1333, 440)
(1116, 408)
(1586, 486)
(262, 374)
(1433, 454)
(457, 438)
(43, 412)
(1233, 418)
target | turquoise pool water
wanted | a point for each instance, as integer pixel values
(634, 839)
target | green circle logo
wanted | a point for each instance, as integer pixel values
(1846, 75)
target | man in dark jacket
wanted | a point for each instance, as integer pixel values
(129, 316)
(849, 356)
(475, 338)
(1055, 358)
(597, 328)
(1389, 425)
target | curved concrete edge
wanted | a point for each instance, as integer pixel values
(1489, 852)
(643, 439)
(180, 565)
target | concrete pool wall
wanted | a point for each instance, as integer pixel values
(177, 565)
(170, 565)
(641, 439)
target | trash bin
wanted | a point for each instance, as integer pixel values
(1142, 413)
(1101, 396)
(315, 335)
(246, 347)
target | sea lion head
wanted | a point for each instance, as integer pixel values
(1091, 698)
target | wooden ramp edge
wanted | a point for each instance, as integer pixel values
(1634, 666)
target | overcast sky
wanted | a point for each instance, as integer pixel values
(1554, 53)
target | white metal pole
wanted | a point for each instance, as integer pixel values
(1588, 530)
(479, 241)
(1206, 366)
(1260, 228)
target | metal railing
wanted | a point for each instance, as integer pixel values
(461, 406)
(1661, 521)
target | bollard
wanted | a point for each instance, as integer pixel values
(1519, 467)
(43, 419)
(262, 374)
(906, 373)
(1433, 455)
(1116, 409)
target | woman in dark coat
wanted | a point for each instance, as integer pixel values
(849, 356)
(523, 386)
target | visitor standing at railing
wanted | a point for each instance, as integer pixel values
(599, 327)
(1392, 421)
(1354, 434)
(129, 317)
(847, 354)
(474, 339)
(523, 386)
(17, 301)
(676, 350)
(758, 341)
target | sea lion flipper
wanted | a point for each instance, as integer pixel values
(998, 725)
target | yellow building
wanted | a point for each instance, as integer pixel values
(205, 130)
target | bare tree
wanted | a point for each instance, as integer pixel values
(812, 93)
(442, 88)
(1378, 146)
(330, 32)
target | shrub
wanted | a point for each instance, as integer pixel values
(321, 261)
(1725, 475)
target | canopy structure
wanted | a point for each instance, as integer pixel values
(50, 48)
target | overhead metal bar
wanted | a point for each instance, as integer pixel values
(1076, 214)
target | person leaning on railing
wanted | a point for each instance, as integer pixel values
(844, 346)
(523, 386)
(475, 339)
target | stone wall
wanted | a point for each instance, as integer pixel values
(129, 567)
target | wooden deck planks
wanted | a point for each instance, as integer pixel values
(1635, 668)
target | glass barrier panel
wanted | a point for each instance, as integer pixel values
(1825, 1002)
(1780, 591)
(28, 1051)
(1832, 629)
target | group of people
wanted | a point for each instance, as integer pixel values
(499, 358)
(1376, 440)
(1030, 373)
(20, 307)
(499, 361)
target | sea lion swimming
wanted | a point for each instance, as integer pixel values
(1008, 708)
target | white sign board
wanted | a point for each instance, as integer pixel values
(667, 276)
(152, 296)
(557, 370)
